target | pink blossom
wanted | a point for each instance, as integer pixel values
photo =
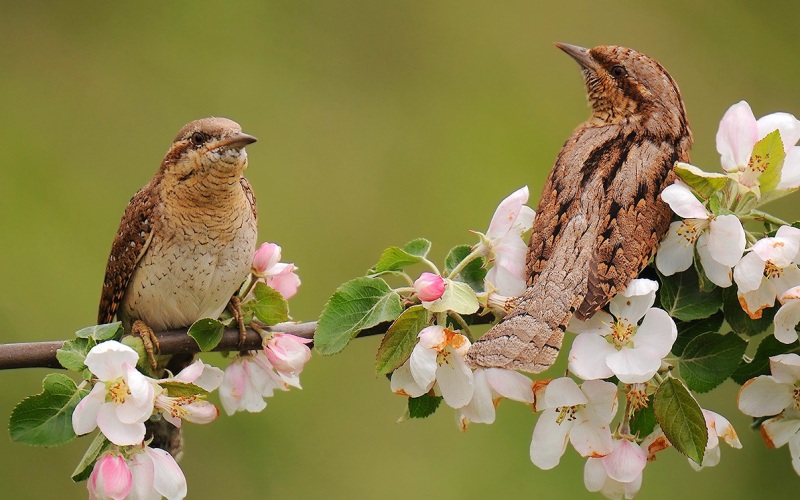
(110, 478)
(618, 474)
(193, 408)
(250, 378)
(277, 275)
(155, 474)
(267, 255)
(287, 353)
(429, 287)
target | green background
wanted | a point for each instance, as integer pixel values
(378, 122)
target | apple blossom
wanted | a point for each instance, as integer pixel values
(193, 408)
(121, 400)
(581, 415)
(155, 474)
(201, 374)
(437, 358)
(251, 377)
(738, 133)
(768, 270)
(277, 275)
(614, 344)
(503, 244)
(110, 478)
(490, 384)
(288, 354)
(720, 239)
(429, 287)
(788, 316)
(618, 474)
(717, 427)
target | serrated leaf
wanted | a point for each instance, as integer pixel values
(400, 339)
(472, 274)
(73, 353)
(767, 158)
(101, 332)
(358, 304)
(705, 184)
(769, 346)
(269, 305)
(84, 468)
(207, 333)
(687, 330)
(423, 406)
(643, 421)
(682, 298)
(396, 258)
(739, 320)
(177, 389)
(709, 359)
(458, 297)
(681, 419)
(46, 419)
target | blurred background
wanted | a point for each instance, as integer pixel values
(378, 122)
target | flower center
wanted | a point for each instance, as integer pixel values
(797, 398)
(637, 397)
(567, 413)
(118, 391)
(621, 333)
(691, 229)
(771, 270)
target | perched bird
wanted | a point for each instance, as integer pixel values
(601, 216)
(186, 241)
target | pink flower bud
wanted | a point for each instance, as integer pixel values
(429, 287)
(267, 255)
(110, 478)
(288, 353)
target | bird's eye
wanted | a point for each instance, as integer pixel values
(199, 138)
(618, 71)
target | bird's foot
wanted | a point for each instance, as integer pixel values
(235, 307)
(149, 340)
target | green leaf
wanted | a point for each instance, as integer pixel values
(400, 339)
(358, 304)
(423, 406)
(643, 421)
(682, 298)
(458, 297)
(705, 184)
(207, 333)
(688, 330)
(681, 419)
(472, 274)
(101, 332)
(770, 346)
(711, 358)
(73, 353)
(46, 419)
(177, 389)
(767, 158)
(269, 305)
(396, 258)
(739, 320)
(85, 466)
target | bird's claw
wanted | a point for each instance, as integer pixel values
(149, 340)
(235, 306)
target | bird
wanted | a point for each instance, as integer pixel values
(186, 240)
(601, 216)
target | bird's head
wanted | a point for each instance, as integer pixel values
(207, 152)
(626, 86)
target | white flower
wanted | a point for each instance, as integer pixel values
(720, 240)
(614, 344)
(156, 474)
(717, 427)
(581, 415)
(768, 270)
(490, 385)
(504, 246)
(739, 131)
(247, 381)
(788, 316)
(193, 408)
(122, 399)
(618, 474)
(200, 374)
(437, 358)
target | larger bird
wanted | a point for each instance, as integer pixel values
(185, 243)
(601, 216)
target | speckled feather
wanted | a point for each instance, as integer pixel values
(600, 216)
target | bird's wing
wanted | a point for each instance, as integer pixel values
(248, 192)
(130, 244)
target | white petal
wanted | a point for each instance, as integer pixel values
(737, 135)
(549, 439)
(764, 396)
(710, 458)
(786, 124)
(602, 398)
(790, 173)
(749, 272)
(780, 251)
(786, 319)
(631, 305)
(143, 472)
(794, 450)
(724, 429)
(432, 337)
(634, 365)
(599, 324)
(403, 383)
(106, 359)
(84, 417)
(563, 392)
(587, 357)
(789, 278)
(510, 384)
(139, 404)
(524, 219)
(594, 475)
(780, 430)
(591, 440)
(657, 332)
(507, 213)
(726, 240)
(507, 282)
(168, 479)
(423, 365)
(719, 274)
(117, 432)
(785, 368)
(627, 461)
(455, 381)
(481, 408)
(683, 202)
(675, 253)
(754, 301)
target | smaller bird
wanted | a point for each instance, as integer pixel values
(186, 240)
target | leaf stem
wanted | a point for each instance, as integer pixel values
(474, 254)
(758, 215)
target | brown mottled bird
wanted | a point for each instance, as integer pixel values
(185, 243)
(601, 216)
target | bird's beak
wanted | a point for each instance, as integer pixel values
(579, 54)
(237, 141)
